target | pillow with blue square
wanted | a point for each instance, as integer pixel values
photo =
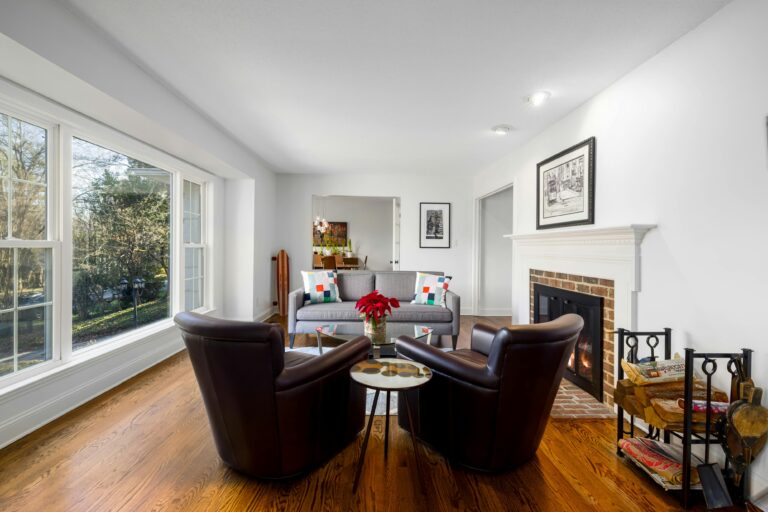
(430, 289)
(320, 286)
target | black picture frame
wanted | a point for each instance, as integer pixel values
(432, 235)
(586, 214)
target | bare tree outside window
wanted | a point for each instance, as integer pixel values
(121, 243)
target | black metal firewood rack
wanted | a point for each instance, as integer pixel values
(632, 341)
(709, 364)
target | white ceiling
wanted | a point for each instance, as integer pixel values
(389, 86)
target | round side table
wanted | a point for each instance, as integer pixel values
(388, 374)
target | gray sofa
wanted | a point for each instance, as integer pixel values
(355, 284)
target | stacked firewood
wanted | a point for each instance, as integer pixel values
(660, 405)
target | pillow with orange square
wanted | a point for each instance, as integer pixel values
(321, 286)
(430, 289)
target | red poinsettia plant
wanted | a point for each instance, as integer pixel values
(374, 306)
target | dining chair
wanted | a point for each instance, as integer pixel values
(352, 263)
(317, 260)
(329, 263)
(365, 263)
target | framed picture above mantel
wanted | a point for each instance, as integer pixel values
(435, 225)
(565, 187)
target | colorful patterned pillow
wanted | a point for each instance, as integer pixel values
(430, 289)
(321, 286)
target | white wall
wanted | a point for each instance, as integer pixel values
(495, 257)
(681, 142)
(295, 191)
(369, 225)
(266, 211)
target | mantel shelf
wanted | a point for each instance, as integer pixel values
(610, 252)
(631, 232)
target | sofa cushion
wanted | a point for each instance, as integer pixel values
(408, 312)
(346, 312)
(355, 284)
(330, 312)
(398, 283)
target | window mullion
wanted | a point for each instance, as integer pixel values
(9, 179)
(176, 279)
(63, 263)
(15, 310)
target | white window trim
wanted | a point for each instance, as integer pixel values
(204, 244)
(53, 141)
(63, 124)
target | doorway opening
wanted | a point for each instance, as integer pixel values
(356, 232)
(494, 254)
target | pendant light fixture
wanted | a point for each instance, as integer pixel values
(320, 224)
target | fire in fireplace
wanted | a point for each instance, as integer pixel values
(585, 365)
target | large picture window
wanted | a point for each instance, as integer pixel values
(89, 249)
(121, 220)
(26, 301)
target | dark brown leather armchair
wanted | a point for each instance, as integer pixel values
(487, 407)
(273, 414)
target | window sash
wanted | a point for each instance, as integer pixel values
(155, 184)
(199, 281)
(11, 182)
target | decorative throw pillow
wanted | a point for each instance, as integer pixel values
(430, 289)
(321, 286)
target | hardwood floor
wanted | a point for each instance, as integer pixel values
(146, 446)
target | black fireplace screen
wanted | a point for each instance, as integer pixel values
(585, 366)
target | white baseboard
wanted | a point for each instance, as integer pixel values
(28, 408)
(265, 314)
(494, 312)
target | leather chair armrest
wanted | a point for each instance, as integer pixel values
(442, 362)
(295, 302)
(482, 338)
(342, 357)
(453, 303)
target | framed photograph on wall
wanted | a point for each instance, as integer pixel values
(565, 187)
(435, 225)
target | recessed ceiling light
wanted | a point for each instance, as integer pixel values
(539, 98)
(502, 129)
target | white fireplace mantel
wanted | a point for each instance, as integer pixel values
(608, 253)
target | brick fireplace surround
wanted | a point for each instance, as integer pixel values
(591, 286)
(585, 260)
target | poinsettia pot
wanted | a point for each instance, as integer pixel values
(376, 331)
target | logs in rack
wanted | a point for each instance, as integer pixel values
(629, 347)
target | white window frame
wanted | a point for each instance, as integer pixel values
(62, 124)
(202, 245)
(52, 241)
